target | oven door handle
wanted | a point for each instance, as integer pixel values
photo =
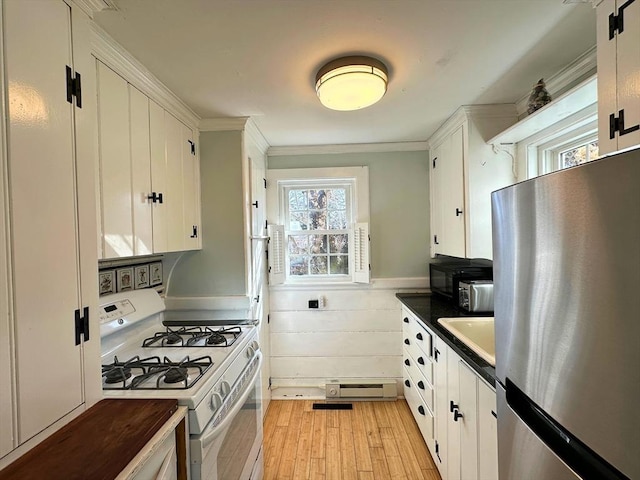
(218, 429)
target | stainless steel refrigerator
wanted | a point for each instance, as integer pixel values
(566, 249)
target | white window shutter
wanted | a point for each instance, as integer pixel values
(277, 272)
(361, 253)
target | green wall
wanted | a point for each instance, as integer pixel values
(399, 206)
(217, 269)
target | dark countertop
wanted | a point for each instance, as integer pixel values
(98, 444)
(429, 308)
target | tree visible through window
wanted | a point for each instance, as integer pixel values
(578, 155)
(317, 230)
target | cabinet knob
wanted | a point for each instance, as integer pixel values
(407, 362)
(421, 385)
(457, 415)
(421, 360)
(421, 409)
(407, 342)
(419, 336)
(406, 382)
(405, 320)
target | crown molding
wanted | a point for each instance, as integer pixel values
(94, 6)
(581, 68)
(223, 124)
(112, 54)
(256, 137)
(347, 148)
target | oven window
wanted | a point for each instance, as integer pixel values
(239, 440)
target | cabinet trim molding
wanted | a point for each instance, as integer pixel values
(112, 54)
(348, 148)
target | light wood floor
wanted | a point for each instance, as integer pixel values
(375, 440)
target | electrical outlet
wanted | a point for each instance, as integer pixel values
(322, 301)
(313, 303)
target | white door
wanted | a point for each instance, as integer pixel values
(44, 239)
(453, 214)
(115, 163)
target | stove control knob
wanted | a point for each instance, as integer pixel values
(225, 388)
(255, 345)
(250, 352)
(216, 401)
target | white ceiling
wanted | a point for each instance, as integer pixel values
(258, 58)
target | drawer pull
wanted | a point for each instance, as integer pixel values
(405, 320)
(421, 360)
(494, 414)
(406, 382)
(452, 406)
(407, 362)
(419, 336)
(421, 410)
(421, 385)
(407, 342)
(457, 415)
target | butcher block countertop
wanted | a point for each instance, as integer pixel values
(111, 440)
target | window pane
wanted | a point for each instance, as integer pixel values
(594, 151)
(299, 265)
(337, 199)
(318, 244)
(339, 243)
(317, 199)
(298, 200)
(318, 265)
(317, 220)
(299, 221)
(337, 220)
(573, 157)
(298, 244)
(339, 264)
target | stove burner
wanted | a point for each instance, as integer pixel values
(117, 375)
(172, 338)
(175, 375)
(216, 338)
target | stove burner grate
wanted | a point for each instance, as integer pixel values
(154, 374)
(194, 337)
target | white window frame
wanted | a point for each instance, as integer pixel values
(549, 153)
(357, 178)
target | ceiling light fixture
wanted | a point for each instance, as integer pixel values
(351, 83)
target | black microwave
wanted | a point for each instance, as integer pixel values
(445, 278)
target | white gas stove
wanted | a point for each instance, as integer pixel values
(214, 370)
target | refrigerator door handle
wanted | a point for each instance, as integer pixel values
(578, 456)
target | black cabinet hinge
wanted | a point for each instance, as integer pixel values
(268, 318)
(616, 124)
(74, 87)
(269, 383)
(616, 22)
(435, 239)
(434, 162)
(194, 231)
(192, 147)
(82, 325)
(265, 182)
(438, 451)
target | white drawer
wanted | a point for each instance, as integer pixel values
(422, 413)
(416, 334)
(422, 386)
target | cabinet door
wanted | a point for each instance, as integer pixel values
(115, 163)
(453, 427)
(468, 423)
(174, 197)
(487, 433)
(43, 199)
(441, 405)
(453, 211)
(191, 190)
(618, 82)
(140, 172)
(159, 182)
(437, 200)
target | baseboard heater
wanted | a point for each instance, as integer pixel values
(369, 389)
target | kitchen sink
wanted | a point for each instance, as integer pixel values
(477, 333)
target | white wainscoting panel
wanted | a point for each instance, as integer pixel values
(356, 334)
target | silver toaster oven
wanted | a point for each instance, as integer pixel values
(476, 295)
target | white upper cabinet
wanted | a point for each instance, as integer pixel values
(618, 79)
(52, 275)
(464, 172)
(149, 173)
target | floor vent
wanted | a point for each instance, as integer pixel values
(369, 389)
(333, 406)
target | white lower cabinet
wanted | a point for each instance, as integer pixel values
(456, 411)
